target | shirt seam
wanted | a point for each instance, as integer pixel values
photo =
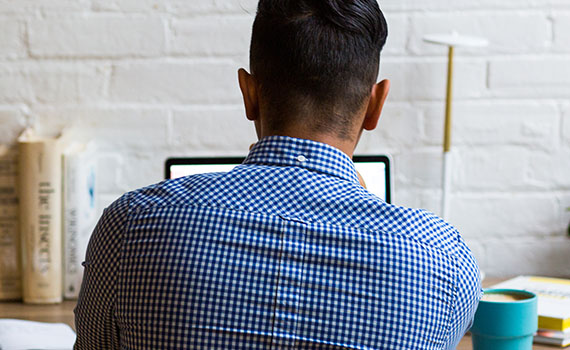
(124, 231)
(312, 170)
(453, 309)
(366, 228)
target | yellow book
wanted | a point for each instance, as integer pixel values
(553, 299)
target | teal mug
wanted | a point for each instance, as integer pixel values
(506, 319)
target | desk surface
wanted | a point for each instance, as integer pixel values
(64, 313)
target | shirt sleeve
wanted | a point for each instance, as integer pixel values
(94, 319)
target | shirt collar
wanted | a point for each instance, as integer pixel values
(308, 154)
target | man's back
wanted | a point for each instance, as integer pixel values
(285, 251)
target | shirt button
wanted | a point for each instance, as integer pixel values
(301, 159)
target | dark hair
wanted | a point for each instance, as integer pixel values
(317, 58)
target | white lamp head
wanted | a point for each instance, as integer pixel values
(456, 40)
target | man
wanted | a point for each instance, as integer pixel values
(288, 250)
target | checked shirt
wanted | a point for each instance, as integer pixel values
(286, 251)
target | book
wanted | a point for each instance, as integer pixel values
(546, 336)
(21, 334)
(553, 299)
(79, 212)
(40, 194)
(10, 271)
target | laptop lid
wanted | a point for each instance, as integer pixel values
(375, 170)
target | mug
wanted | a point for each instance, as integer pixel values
(506, 319)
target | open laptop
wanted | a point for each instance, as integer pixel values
(375, 170)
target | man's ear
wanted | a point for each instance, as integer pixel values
(375, 105)
(248, 87)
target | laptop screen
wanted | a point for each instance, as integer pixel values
(375, 170)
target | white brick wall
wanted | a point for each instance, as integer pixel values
(97, 36)
(12, 120)
(148, 79)
(11, 44)
(174, 82)
(227, 36)
(34, 7)
(485, 124)
(562, 32)
(232, 136)
(427, 75)
(566, 125)
(530, 77)
(50, 82)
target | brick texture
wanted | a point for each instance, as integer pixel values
(51, 82)
(129, 6)
(13, 122)
(113, 128)
(32, 7)
(566, 125)
(97, 37)
(219, 130)
(179, 83)
(427, 75)
(399, 126)
(492, 124)
(562, 32)
(478, 216)
(530, 77)
(211, 36)
(12, 38)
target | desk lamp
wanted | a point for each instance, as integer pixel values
(451, 41)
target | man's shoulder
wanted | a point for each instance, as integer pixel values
(421, 226)
(172, 192)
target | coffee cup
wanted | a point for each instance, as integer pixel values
(506, 319)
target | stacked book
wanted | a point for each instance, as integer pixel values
(47, 213)
(553, 306)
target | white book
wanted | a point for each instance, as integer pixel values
(21, 334)
(547, 336)
(79, 212)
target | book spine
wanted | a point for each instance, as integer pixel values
(40, 221)
(69, 226)
(553, 323)
(10, 270)
(79, 216)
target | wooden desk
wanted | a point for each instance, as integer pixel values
(64, 313)
(466, 344)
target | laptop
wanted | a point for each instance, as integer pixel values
(375, 170)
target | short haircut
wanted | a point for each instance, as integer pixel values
(317, 58)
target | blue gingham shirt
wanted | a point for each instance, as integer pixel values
(286, 251)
